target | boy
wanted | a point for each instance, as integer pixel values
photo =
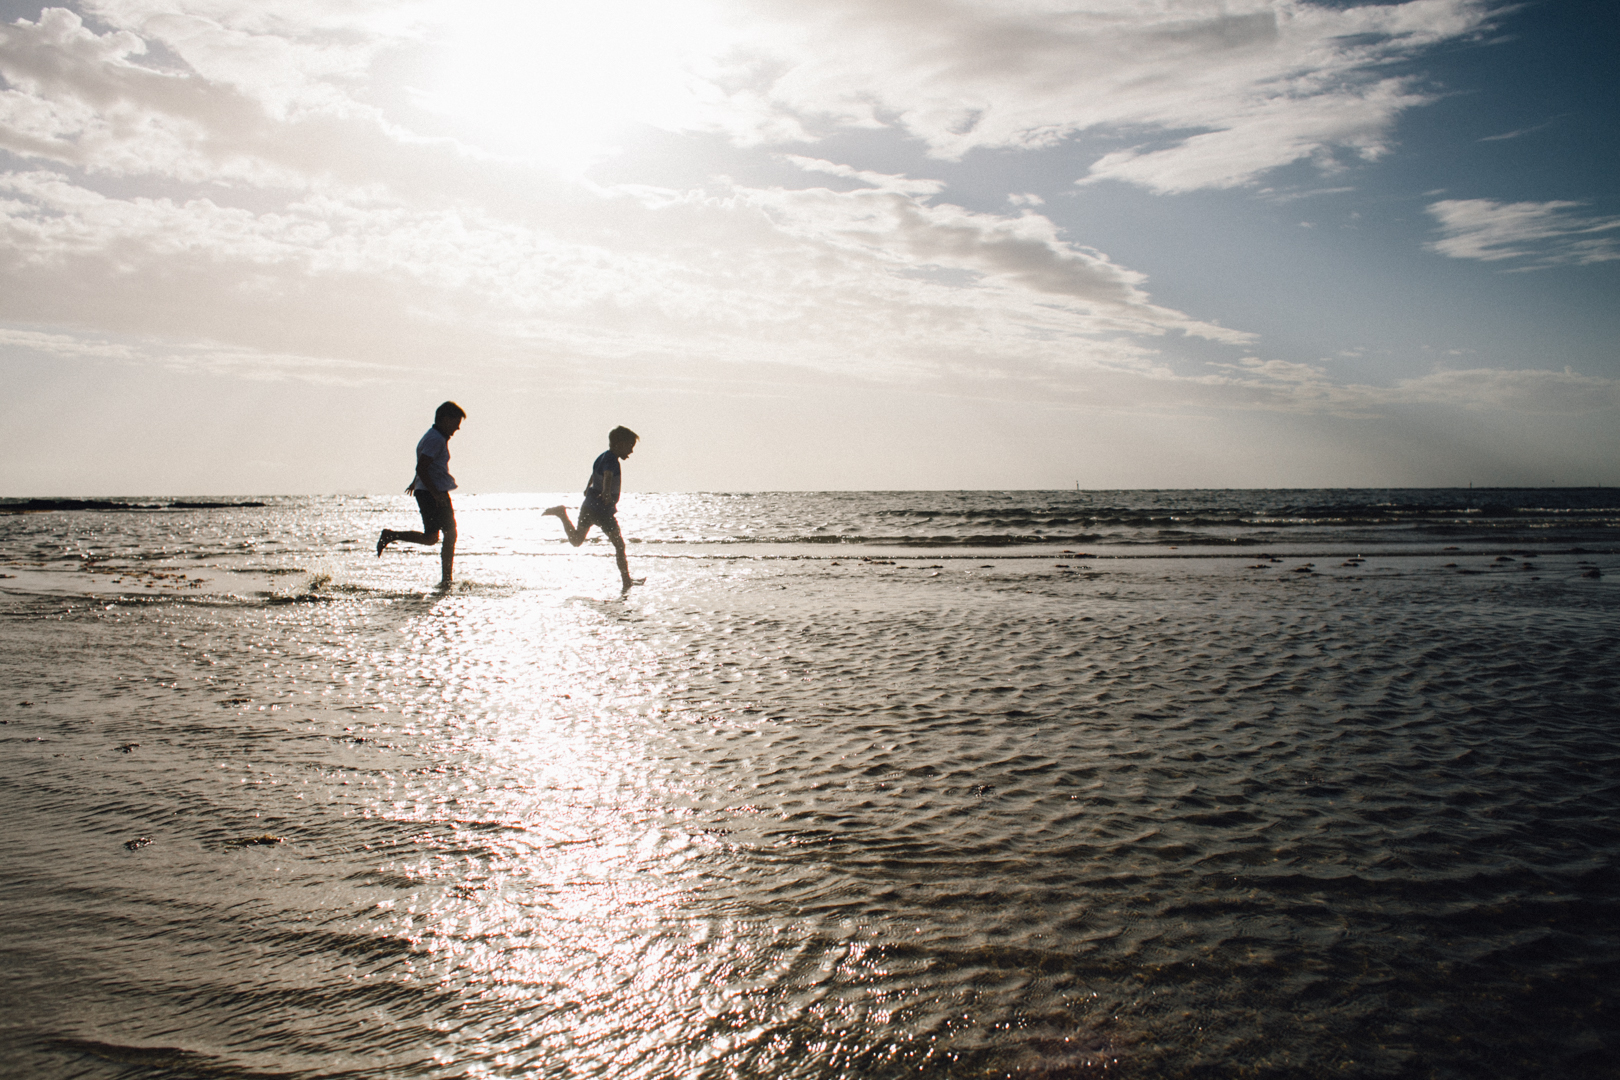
(602, 501)
(432, 486)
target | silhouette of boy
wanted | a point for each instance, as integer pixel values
(432, 486)
(601, 503)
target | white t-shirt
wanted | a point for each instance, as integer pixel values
(436, 448)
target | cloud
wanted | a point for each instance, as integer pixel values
(1545, 234)
(1209, 94)
(105, 104)
(383, 243)
(245, 187)
(1521, 131)
(903, 230)
(64, 345)
(882, 181)
(1265, 134)
(1215, 94)
(1558, 393)
(252, 364)
(1293, 387)
(882, 280)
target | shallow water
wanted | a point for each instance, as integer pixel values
(899, 806)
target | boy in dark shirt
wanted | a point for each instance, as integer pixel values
(601, 503)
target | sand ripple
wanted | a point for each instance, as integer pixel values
(815, 818)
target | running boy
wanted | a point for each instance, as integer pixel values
(601, 503)
(432, 486)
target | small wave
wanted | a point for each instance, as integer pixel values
(168, 1060)
(17, 506)
(879, 540)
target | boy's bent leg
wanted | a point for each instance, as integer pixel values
(578, 533)
(575, 536)
(430, 511)
(394, 536)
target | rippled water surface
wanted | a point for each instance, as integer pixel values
(944, 799)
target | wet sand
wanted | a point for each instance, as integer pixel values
(818, 814)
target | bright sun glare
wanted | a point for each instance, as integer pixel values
(561, 83)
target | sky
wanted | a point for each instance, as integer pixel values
(248, 246)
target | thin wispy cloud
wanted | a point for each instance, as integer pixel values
(1506, 135)
(1540, 234)
(1295, 196)
(252, 364)
(1287, 386)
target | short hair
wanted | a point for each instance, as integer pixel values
(622, 432)
(449, 408)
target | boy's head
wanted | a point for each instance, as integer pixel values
(621, 440)
(447, 417)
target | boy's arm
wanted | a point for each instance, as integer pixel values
(598, 485)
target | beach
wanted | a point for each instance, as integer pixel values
(881, 784)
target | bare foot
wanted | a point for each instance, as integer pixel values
(384, 540)
(630, 583)
(555, 511)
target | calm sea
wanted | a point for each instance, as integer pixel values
(945, 784)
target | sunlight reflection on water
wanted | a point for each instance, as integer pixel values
(814, 818)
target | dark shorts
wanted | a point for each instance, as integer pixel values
(433, 520)
(592, 512)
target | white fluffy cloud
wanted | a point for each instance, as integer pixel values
(893, 224)
(1541, 234)
(250, 109)
(1210, 93)
(309, 225)
(108, 104)
(1213, 93)
(889, 280)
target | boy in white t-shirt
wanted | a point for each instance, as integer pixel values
(432, 486)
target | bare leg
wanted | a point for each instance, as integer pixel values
(610, 529)
(619, 556)
(447, 553)
(624, 568)
(576, 536)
